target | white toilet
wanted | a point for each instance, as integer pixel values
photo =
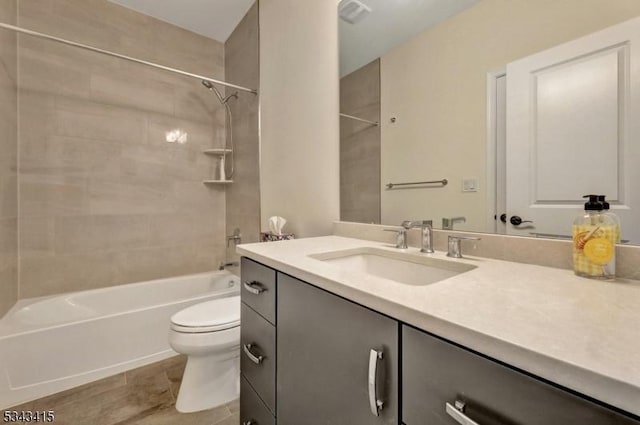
(209, 334)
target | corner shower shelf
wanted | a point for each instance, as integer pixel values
(222, 153)
(217, 181)
(217, 151)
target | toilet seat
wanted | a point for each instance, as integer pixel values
(210, 316)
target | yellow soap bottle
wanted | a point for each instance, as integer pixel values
(594, 241)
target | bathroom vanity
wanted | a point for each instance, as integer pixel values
(328, 337)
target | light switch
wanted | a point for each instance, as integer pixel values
(470, 185)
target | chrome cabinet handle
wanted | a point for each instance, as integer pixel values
(247, 350)
(251, 287)
(375, 404)
(456, 411)
(250, 422)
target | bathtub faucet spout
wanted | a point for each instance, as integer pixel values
(228, 264)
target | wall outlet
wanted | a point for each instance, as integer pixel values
(470, 185)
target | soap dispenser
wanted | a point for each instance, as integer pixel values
(606, 210)
(594, 239)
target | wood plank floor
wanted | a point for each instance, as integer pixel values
(143, 396)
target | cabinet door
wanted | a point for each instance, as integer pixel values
(324, 359)
(436, 372)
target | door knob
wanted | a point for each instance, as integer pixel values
(516, 220)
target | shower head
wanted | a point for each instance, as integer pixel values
(211, 87)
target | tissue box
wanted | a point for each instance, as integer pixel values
(271, 237)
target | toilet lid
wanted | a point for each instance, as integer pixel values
(209, 316)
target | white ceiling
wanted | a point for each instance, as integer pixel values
(388, 25)
(215, 19)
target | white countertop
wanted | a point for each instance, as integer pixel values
(580, 333)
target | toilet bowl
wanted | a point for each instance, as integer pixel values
(209, 334)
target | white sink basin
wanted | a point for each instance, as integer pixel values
(402, 267)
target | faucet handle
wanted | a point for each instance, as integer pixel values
(455, 250)
(236, 237)
(401, 238)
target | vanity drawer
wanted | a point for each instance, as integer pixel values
(258, 354)
(436, 372)
(259, 288)
(252, 409)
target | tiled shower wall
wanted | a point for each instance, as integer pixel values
(242, 66)
(104, 198)
(360, 145)
(8, 160)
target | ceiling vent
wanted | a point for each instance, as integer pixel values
(353, 11)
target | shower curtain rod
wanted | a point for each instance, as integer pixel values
(117, 55)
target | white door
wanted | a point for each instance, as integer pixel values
(573, 129)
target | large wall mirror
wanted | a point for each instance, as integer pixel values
(512, 108)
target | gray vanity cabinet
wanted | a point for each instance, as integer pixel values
(310, 357)
(438, 376)
(327, 372)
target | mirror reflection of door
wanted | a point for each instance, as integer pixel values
(569, 131)
(431, 113)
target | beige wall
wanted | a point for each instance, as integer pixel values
(104, 199)
(360, 145)
(299, 173)
(242, 67)
(435, 85)
(8, 160)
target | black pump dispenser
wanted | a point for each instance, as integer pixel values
(593, 204)
(605, 204)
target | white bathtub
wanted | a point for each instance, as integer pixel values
(51, 344)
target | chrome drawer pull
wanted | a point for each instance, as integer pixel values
(250, 422)
(247, 350)
(251, 287)
(375, 404)
(457, 413)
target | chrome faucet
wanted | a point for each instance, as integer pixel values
(401, 237)
(236, 237)
(224, 265)
(426, 244)
(426, 239)
(447, 223)
(454, 249)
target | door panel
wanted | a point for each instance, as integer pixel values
(436, 372)
(323, 345)
(570, 131)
